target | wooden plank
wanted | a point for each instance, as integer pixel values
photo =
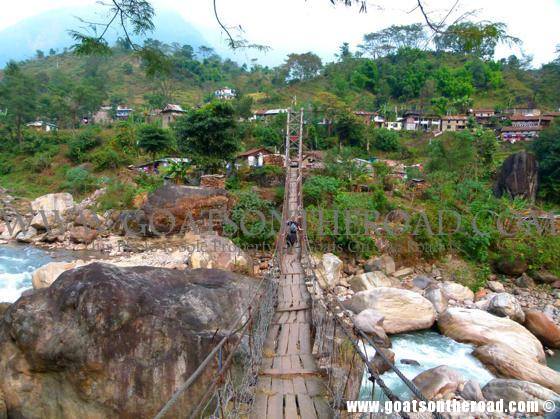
(275, 409)
(299, 385)
(306, 406)
(260, 406)
(291, 408)
(322, 408)
(284, 373)
(263, 385)
(293, 347)
(308, 361)
(305, 338)
(276, 386)
(314, 386)
(287, 386)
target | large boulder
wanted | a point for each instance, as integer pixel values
(332, 269)
(505, 363)
(82, 234)
(545, 277)
(481, 328)
(457, 292)
(384, 263)
(173, 208)
(404, 310)
(27, 235)
(540, 325)
(506, 305)
(518, 177)
(216, 252)
(438, 381)
(44, 276)
(371, 322)
(368, 281)
(510, 266)
(519, 391)
(60, 202)
(103, 341)
(435, 295)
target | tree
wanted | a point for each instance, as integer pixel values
(153, 139)
(366, 76)
(479, 39)
(384, 139)
(302, 66)
(208, 135)
(349, 129)
(379, 44)
(547, 150)
(344, 53)
(18, 95)
(40, 54)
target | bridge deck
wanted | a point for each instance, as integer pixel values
(289, 384)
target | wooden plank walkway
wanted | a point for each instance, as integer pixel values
(289, 384)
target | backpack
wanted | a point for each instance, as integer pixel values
(293, 227)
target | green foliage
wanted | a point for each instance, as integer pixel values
(153, 139)
(82, 142)
(299, 67)
(208, 134)
(547, 151)
(320, 189)
(249, 211)
(384, 139)
(108, 158)
(79, 180)
(118, 196)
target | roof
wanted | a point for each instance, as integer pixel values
(450, 117)
(164, 160)
(172, 108)
(530, 118)
(483, 110)
(367, 113)
(39, 124)
(552, 114)
(254, 151)
(519, 129)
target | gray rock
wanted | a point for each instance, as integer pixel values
(384, 263)
(126, 336)
(524, 281)
(517, 390)
(379, 364)
(518, 177)
(472, 391)
(545, 277)
(438, 381)
(496, 286)
(409, 362)
(27, 236)
(437, 298)
(506, 305)
(422, 282)
(371, 322)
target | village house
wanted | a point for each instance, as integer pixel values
(514, 134)
(454, 123)
(252, 158)
(393, 125)
(483, 116)
(225, 93)
(155, 166)
(123, 113)
(526, 111)
(264, 114)
(530, 121)
(170, 113)
(370, 118)
(411, 120)
(42, 126)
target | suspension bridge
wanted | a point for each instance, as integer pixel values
(293, 353)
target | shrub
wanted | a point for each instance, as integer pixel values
(79, 180)
(319, 189)
(385, 140)
(108, 158)
(245, 212)
(118, 195)
(83, 142)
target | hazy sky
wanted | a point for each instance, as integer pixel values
(315, 25)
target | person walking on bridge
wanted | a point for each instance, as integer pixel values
(292, 233)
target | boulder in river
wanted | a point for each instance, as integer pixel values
(471, 391)
(540, 325)
(519, 391)
(332, 269)
(404, 310)
(506, 305)
(104, 341)
(518, 177)
(82, 234)
(44, 276)
(216, 252)
(371, 322)
(481, 328)
(435, 295)
(438, 381)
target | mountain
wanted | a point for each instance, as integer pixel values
(50, 30)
